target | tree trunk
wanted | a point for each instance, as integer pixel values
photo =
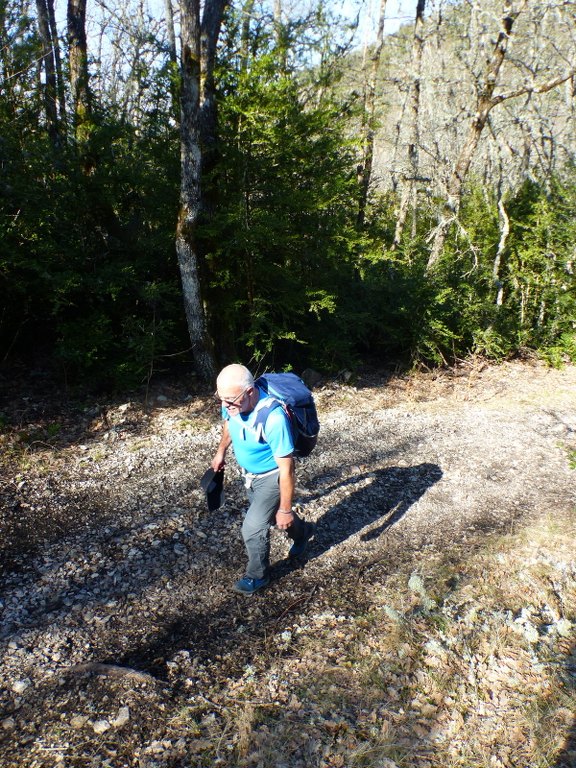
(78, 61)
(190, 191)
(408, 196)
(172, 52)
(173, 56)
(247, 9)
(504, 232)
(483, 106)
(49, 88)
(365, 167)
(60, 85)
(209, 33)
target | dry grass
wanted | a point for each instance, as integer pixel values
(480, 678)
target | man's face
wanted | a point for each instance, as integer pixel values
(234, 399)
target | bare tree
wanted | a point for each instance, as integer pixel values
(364, 170)
(133, 45)
(408, 197)
(486, 101)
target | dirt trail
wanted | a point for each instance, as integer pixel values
(111, 559)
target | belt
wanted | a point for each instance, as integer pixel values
(252, 475)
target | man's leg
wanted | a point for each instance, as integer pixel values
(264, 497)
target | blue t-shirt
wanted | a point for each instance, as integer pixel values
(252, 453)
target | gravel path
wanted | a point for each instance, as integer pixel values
(115, 601)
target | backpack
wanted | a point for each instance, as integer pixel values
(290, 392)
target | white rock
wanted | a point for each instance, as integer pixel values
(21, 685)
(122, 717)
(78, 722)
(531, 633)
(565, 628)
(156, 747)
(101, 726)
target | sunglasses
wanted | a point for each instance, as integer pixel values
(231, 403)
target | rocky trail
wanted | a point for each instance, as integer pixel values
(121, 641)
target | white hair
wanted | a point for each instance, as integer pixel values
(235, 375)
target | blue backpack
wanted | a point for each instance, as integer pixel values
(290, 393)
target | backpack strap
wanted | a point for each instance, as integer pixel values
(262, 417)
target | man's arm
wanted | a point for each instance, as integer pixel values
(284, 516)
(219, 457)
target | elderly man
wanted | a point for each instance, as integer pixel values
(265, 457)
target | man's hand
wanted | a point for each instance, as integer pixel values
(284, 519)
(218, 462)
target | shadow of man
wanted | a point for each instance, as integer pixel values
(372, 503)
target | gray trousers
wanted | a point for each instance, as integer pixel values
(264, 496)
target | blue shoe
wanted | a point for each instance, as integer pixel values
(299, 547)
(248, 586)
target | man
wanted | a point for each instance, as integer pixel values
(267, 463)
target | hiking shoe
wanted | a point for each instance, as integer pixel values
(248, 586)
(299, 547)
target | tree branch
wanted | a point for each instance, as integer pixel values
(542, 88)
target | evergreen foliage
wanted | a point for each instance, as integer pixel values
(86, 260)
(88, 272)
(280, 248)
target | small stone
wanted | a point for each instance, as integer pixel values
(21, 685)
(101, 726)
(122, 717)
(531, 633)
(565, 628)
(9, 724)
(78, 722)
